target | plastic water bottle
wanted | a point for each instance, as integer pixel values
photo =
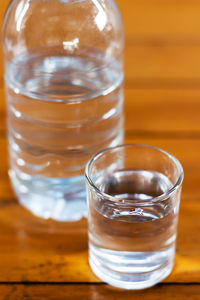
(64, 88)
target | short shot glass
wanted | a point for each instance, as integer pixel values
(133, 196)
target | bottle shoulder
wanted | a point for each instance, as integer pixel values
(69, 24)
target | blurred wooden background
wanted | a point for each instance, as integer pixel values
(47, 260)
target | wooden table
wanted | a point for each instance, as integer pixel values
(48, 260)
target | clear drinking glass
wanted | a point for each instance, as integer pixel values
(133, 204)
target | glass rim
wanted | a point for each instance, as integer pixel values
(162, 197)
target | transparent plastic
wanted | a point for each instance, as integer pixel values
(64, 86)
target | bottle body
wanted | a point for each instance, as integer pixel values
(64, 103)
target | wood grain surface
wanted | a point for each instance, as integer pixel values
(48, 260)
(97, 292)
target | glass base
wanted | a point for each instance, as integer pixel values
(131, 270)
(58, 199)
